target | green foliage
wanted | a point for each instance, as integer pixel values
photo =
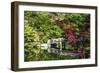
(31, 39)
(40, 22)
